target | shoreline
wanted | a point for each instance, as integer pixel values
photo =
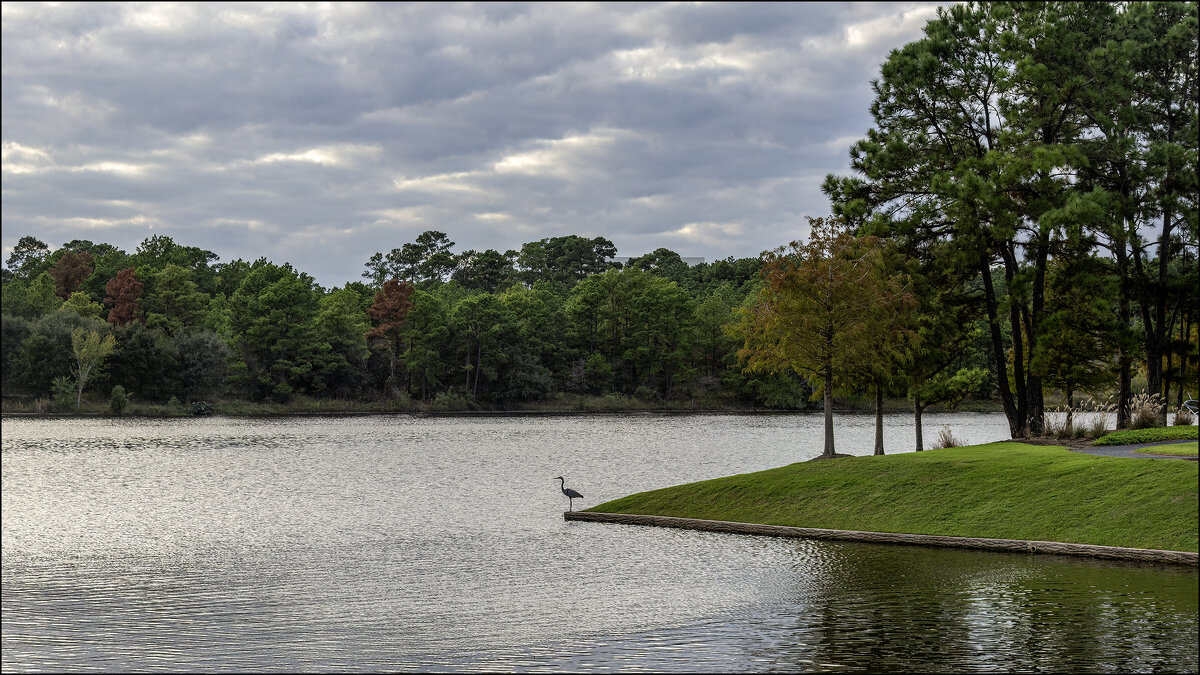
(1185, 558)
(586, 408)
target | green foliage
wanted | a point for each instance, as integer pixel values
(275, 341)
(27, 256)
(426, 261)
(450, 401)
(172, 301)
(342, 322)
(480, 324)
(999, 490)
(30, 299)
(489, 271)
(563, 261)
(201, 408)
(118, 400)
(634, 327)
(159, 252)
(1151, 435)
(146, 362)
(202, 363)
(91, 350)
(81, 304)
(63, 390)
(13, 331)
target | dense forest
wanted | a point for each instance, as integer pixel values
(1021, 222)
(426, 323)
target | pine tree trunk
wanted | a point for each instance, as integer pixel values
(917, 408)
(1037, 408)
(1018, 349)
(999, 367)
(478, 367)
(878, 419)
(829, 452)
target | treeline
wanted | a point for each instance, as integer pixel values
(426, 323)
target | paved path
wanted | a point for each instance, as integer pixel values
(1128, 450)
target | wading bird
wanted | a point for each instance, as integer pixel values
(571, 494)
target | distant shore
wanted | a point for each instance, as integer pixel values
(564, 405)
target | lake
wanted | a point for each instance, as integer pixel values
(370, 543)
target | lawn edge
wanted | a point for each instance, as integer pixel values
(1010, 545)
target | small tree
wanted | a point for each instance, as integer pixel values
(90, 352)
(62, 388)
(118, 400)
(822, 310)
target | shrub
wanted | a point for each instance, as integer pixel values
(449, 401)
(118, 400)
(1145, 412)
(202, 408)
(65, 396)
(1183, 417)
(1131, 436)
(609, 402)
(946, 439)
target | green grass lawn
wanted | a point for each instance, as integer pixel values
(1002, 490)
(1177, 449)
(1131, 436)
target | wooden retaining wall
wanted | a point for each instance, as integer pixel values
(1012, 545)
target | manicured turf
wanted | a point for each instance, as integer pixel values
(1002, 490)
(1131, 436)
(1178, 449)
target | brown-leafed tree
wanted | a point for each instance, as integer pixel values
(124, 291)
(71, 271)
(388, 313)
(827, 310)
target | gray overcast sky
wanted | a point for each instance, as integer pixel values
(320, 134)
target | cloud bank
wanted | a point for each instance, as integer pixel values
(319, 134)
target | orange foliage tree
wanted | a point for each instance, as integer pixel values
(829, 310)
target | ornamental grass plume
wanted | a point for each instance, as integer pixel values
(1183, 416)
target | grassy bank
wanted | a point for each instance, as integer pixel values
(1000, 490)
(1176, 449)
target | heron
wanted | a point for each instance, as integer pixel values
(572, 495)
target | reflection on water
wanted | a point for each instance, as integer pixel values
(400, 543)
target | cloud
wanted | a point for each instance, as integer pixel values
(320, 134)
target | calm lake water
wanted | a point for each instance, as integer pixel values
(409, 543)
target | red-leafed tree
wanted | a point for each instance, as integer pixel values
(388, 313)
(124, 291)
(71, 271)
